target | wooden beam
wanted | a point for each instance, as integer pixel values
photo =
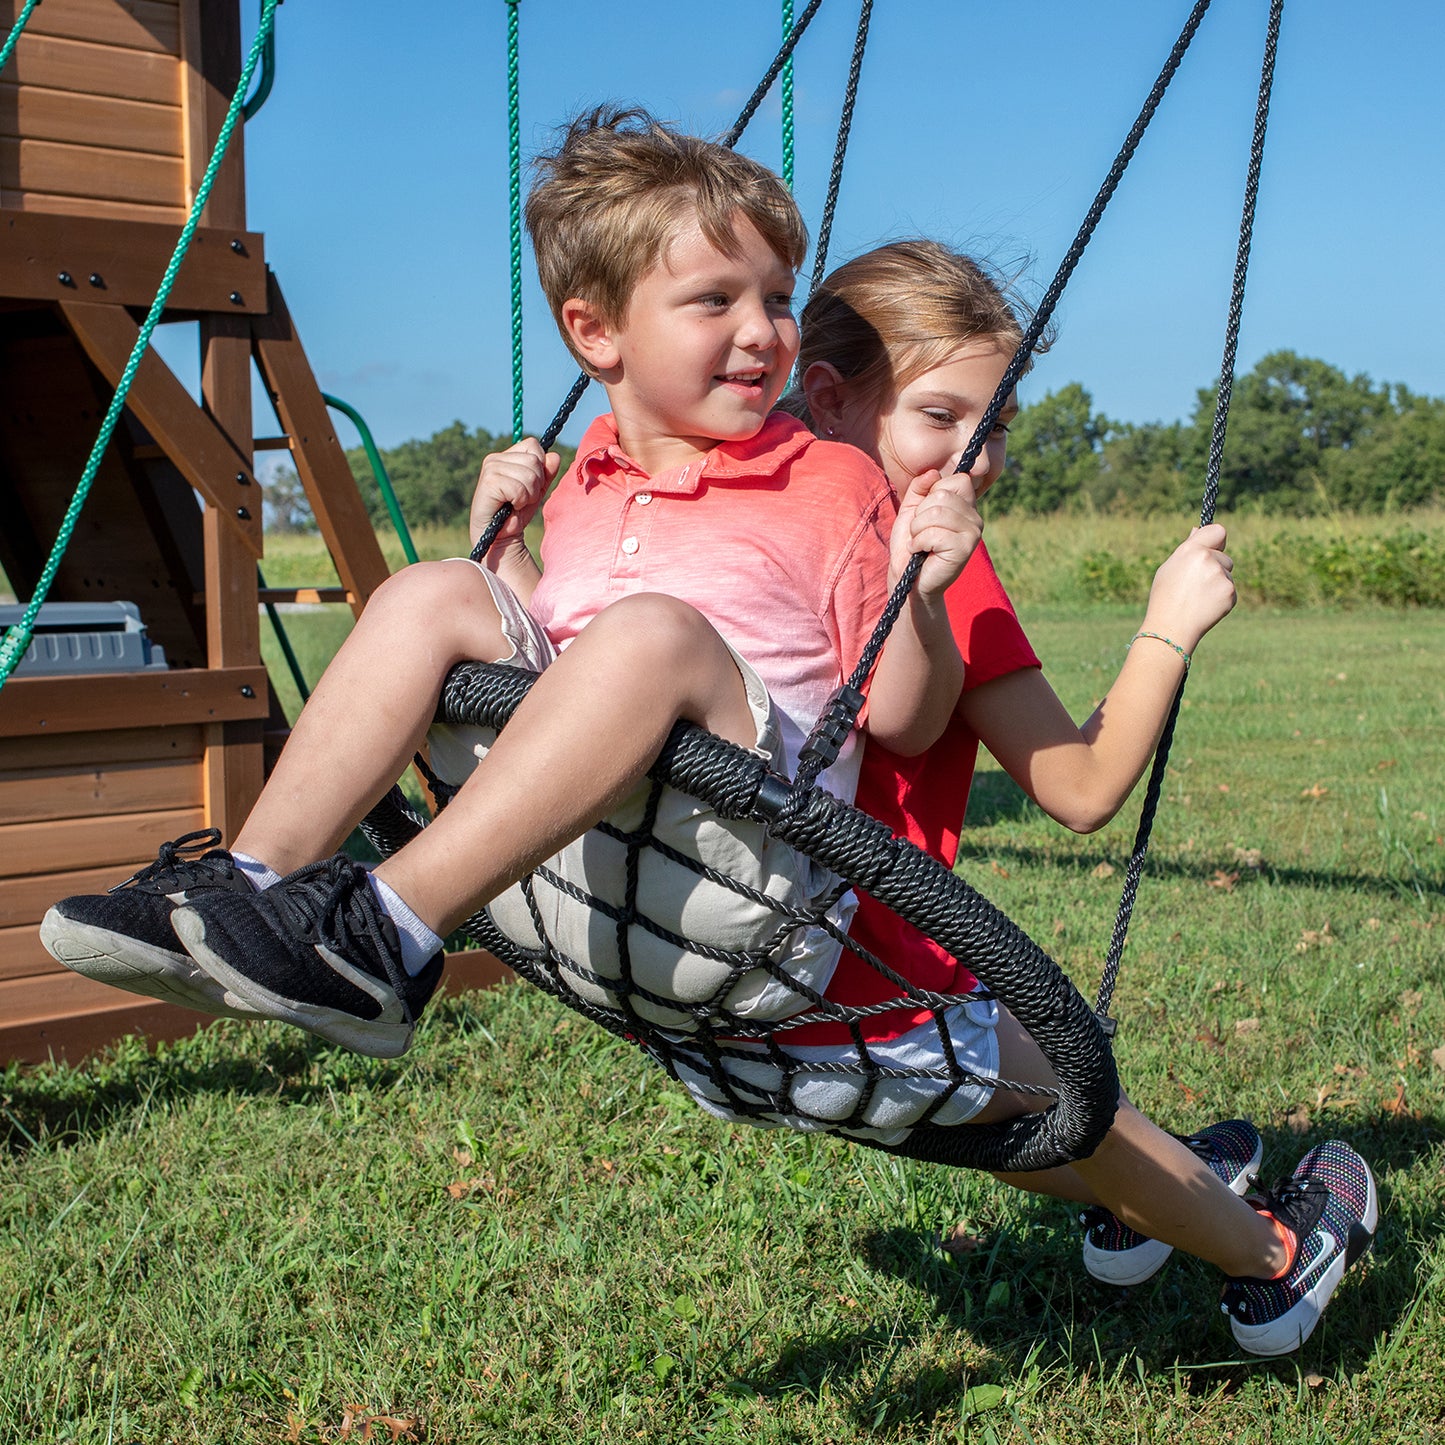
(310, 595)
(320, 460)
(129, 258)
(25, 900)
(91, 171)
(133, 25)
(96, 749)
(77, 65)
(97, 701)
(29, 113)
(66, 844)
(35, 794)
(205, 455)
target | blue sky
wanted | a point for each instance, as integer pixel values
(377, 171)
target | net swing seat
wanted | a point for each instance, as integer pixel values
(711, 1017)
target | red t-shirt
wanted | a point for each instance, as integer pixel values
(923, 799)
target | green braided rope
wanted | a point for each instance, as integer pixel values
(11, 40)
(788, 100)
(514, 200)
(17, 639)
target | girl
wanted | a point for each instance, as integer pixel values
(902, 351)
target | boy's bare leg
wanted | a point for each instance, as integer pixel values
(581, 741)
(1146, 1177)
(370, 710)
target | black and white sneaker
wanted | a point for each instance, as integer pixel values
(124, 937)
(1118, 1255)
(316, 950)
(1331, 1205)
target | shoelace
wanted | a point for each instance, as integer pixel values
(330, 915)
(171, 858)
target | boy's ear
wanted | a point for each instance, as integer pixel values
(826, 392)
(591, 337)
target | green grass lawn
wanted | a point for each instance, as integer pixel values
(522, 1232)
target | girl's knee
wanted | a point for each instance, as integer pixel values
(652, 622)
(450, 601)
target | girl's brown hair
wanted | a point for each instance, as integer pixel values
(608, 200)
(887, 316)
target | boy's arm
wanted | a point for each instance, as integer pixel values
(1080, 776)
(919, 676)
(520, 475)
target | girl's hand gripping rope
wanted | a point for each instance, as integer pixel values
(938, 515)
(518, 477)
(1193, 588)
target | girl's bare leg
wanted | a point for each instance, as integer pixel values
(1145, 1176)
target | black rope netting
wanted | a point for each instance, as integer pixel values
(712, 1038)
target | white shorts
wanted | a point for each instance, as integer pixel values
(822, 1098)
(677, 981)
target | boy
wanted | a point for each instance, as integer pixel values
(691, 516)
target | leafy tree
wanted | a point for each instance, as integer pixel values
(1053, 452)
(286, 508)
(433, 479)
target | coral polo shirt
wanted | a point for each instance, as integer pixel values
(780, 541)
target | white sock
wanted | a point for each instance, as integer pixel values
(418, 942)
(260, 875)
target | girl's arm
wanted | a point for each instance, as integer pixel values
(919, 677)
(519, 475)
(1080, 776)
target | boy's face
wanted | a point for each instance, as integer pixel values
(705, 348)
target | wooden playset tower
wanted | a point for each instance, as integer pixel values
(109, 110)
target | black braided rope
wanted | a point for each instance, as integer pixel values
(840, 149)
(1135, 871)
(569, 402)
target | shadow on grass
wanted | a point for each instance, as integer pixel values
(58, 1103)
(1204, 870)
(1028, 1318)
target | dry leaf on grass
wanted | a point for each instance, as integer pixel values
(1315, 792)
(1104, 870)
(1245, 1026)
(1223, 881)
(1438, 1056)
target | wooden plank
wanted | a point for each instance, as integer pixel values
(211, 47)
(90, 703)
(474, 969)
(123, 745)
(30, 113)
(151, 25)
(202, 451)
(25, 900)
(90, 69)
(41, 793)
(71, 843)
(320, 461)
(130, 258)
(311, 596)
(21, 953)
(65, 1016)
(91, 171)
(43, 203)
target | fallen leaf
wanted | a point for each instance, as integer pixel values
(1104, 870)
(1411, 999)
(1396, 1107)
(1385, 764)
(1314, 792)
(1297, 1121)
(1250, 858)
(1224, 787)
(997, 868)
(463, 1158)
(1438, 1056)
(1223, 881)
(959, 1241)
(1246, 1026)
(1315, 1382)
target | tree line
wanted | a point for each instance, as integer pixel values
(1303, 439)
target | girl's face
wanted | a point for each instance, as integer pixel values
(928, 423)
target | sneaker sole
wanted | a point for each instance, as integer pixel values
(141, 968)
(1286, 1334)
(1124, 1269)
(380, 1038)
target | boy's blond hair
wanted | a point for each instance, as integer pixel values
(606, 203)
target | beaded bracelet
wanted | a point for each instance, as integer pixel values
(1167, 641)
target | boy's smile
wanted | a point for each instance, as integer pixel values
(704, 350)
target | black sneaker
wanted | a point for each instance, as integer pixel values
(316, 950)
(124, 937)
(1331, 1205)
(1118, 1255)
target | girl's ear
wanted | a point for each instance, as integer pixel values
(826, 392)
(592, 338)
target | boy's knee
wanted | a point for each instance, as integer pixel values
(653, 623)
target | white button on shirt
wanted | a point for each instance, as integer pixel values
(642, 498)
(629, 545)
